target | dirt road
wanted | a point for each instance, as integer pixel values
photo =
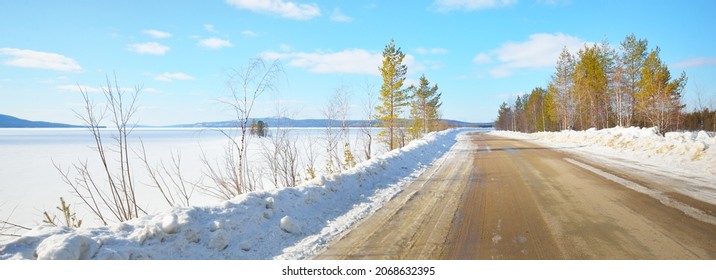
(498, 198)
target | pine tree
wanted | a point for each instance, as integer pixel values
(590, 87)
(561, 88)
(393, 98)
(424, 110)
(70, 217)
(659, 97)
(548, 111)
(607, 58)
(261, 129)
(504, 117)
(630, 63)
(252, 128)
(349, 161)
(534, 109)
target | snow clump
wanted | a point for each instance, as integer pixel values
(289, 225)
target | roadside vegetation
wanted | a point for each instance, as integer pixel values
(601, 86)
(107, 185)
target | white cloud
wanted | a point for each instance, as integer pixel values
(433, 64)
(500, 72)
(470, 5)
(338, 16)
(90, 89)
(350, 61)
(285, 47)
(157, 34)
(210, 28)
(482, 58)
(168, 77)
(76, 88)
(286, 9)
(249, 33)
(695, 62)
(431, 51)
(152, 48)
(539, 51)
(151, 90)
(40, 60)
(214, 43)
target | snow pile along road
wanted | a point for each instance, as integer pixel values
(690, 152)
(287, 223)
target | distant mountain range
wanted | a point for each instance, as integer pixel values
(13, 122)
(286, 122)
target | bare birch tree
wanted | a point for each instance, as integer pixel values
(231, 176)
(332, 136)
(367, 128)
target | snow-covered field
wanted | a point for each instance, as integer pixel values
(688, 156)
(286, 223)
(30, 184)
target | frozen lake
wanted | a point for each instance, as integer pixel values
(30, 183)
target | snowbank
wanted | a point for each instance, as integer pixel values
(287, 223)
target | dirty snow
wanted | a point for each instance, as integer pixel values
(287, 223)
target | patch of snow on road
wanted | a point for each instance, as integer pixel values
(287, 223)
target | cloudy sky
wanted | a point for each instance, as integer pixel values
(479, 52)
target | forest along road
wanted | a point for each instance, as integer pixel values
(499, 198)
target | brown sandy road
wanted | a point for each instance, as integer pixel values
(498, 198)
(414, 224)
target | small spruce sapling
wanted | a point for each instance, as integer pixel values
(70, 218)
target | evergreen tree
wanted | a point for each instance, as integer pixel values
(504, 117)
(261, 129)
(518, 116)
(535, 114)
(630, 63)
(548, 111)
(659, 97)
(424, 110)
(252, 128)
(561, 87)
(590, 87)
(393, 98)
(607, 58)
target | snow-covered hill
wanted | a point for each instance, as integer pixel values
(288, 223)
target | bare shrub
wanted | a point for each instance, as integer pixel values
(10, 229)
(169, 180)
(112, 193)
(281, 156)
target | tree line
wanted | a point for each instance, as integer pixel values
(600, 87)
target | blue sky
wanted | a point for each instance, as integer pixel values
(479, 52)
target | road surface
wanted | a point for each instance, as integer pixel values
(499, 198)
